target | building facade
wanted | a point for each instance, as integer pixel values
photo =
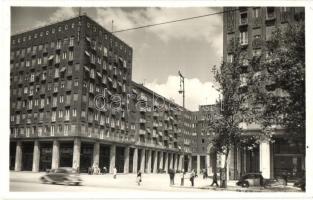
(252, 27)
(74, 104)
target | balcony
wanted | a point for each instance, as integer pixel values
(270, 15)
(142, 132)
(155, 124)
(142, 121)
(243, 22)
(141, 109)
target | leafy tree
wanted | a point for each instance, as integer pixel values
(227, 125)
(278, 82)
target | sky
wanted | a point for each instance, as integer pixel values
(159, 52)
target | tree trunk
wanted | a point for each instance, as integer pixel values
(223, 174)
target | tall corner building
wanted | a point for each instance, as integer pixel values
(74, 104)
(253, 26)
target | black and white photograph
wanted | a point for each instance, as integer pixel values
(209, 99)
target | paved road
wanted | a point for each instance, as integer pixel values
(28, 181)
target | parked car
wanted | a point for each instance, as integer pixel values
(300, 183)
(62, 175)
(250, 179)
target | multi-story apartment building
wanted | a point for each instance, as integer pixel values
(205, 152)
(252, 27)
(73, 104)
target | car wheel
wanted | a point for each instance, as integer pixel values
(245, 184)
(78, 183)
(43, 180)
(303, 188)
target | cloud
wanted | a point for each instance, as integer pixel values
(206, 29)
(197, 93)
(60, 14)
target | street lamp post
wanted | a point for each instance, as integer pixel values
(182, 87)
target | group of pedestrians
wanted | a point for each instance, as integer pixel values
(95, 170)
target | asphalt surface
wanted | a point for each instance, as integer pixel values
(28, 181)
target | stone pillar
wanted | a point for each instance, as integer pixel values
(239, 172)
(180, 162)
(198, 164)
(142, 161)
(161, 160)
(176, 161)
(155, 162)
(36, 156)
(149, 161)
(166, 162)
(265, 161)
(112, 157)
(126, 160)
(96, 153)
(55, 154)
(231, 163)
(189, 163)
(135, 160)
(171, 160)
(18, 156)
(76, 153)
(208, 164)
(244, 161)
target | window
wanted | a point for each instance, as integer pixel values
(66, 129)
(53, 117)
(230, 58)
(256, 52)
(74, 112)
(67, 114)
(64, 55)
(243, 18)
(256, 12)
(60, 113)
(61, 99)
(72, 41)
(243, 38)
(60, 29)
(77, 67)
(270, 12)
(75, 97)
(269, 32)
(76, 83)
(256, 33)
(52, 130)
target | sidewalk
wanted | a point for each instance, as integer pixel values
(150, 182)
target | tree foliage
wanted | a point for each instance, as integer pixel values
(278, 81)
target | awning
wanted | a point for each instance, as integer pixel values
(99, 74)
(110, 79)
(88, 39)
(134, 91)
(51, 57)
(110, 93)
(87, 53)
(120, 59)
(86, 68)
(62, 69)
(120, 84)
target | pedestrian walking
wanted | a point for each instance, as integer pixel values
(172, 176)
(138, 178)
(205, 174)
(214, 179)
(104, 170)
(182, 178)
(114, 172)
(192, 177)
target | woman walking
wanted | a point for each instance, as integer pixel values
(138, 179)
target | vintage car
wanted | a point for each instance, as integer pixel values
(62, 175)
(251, 179)
(300, 183)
